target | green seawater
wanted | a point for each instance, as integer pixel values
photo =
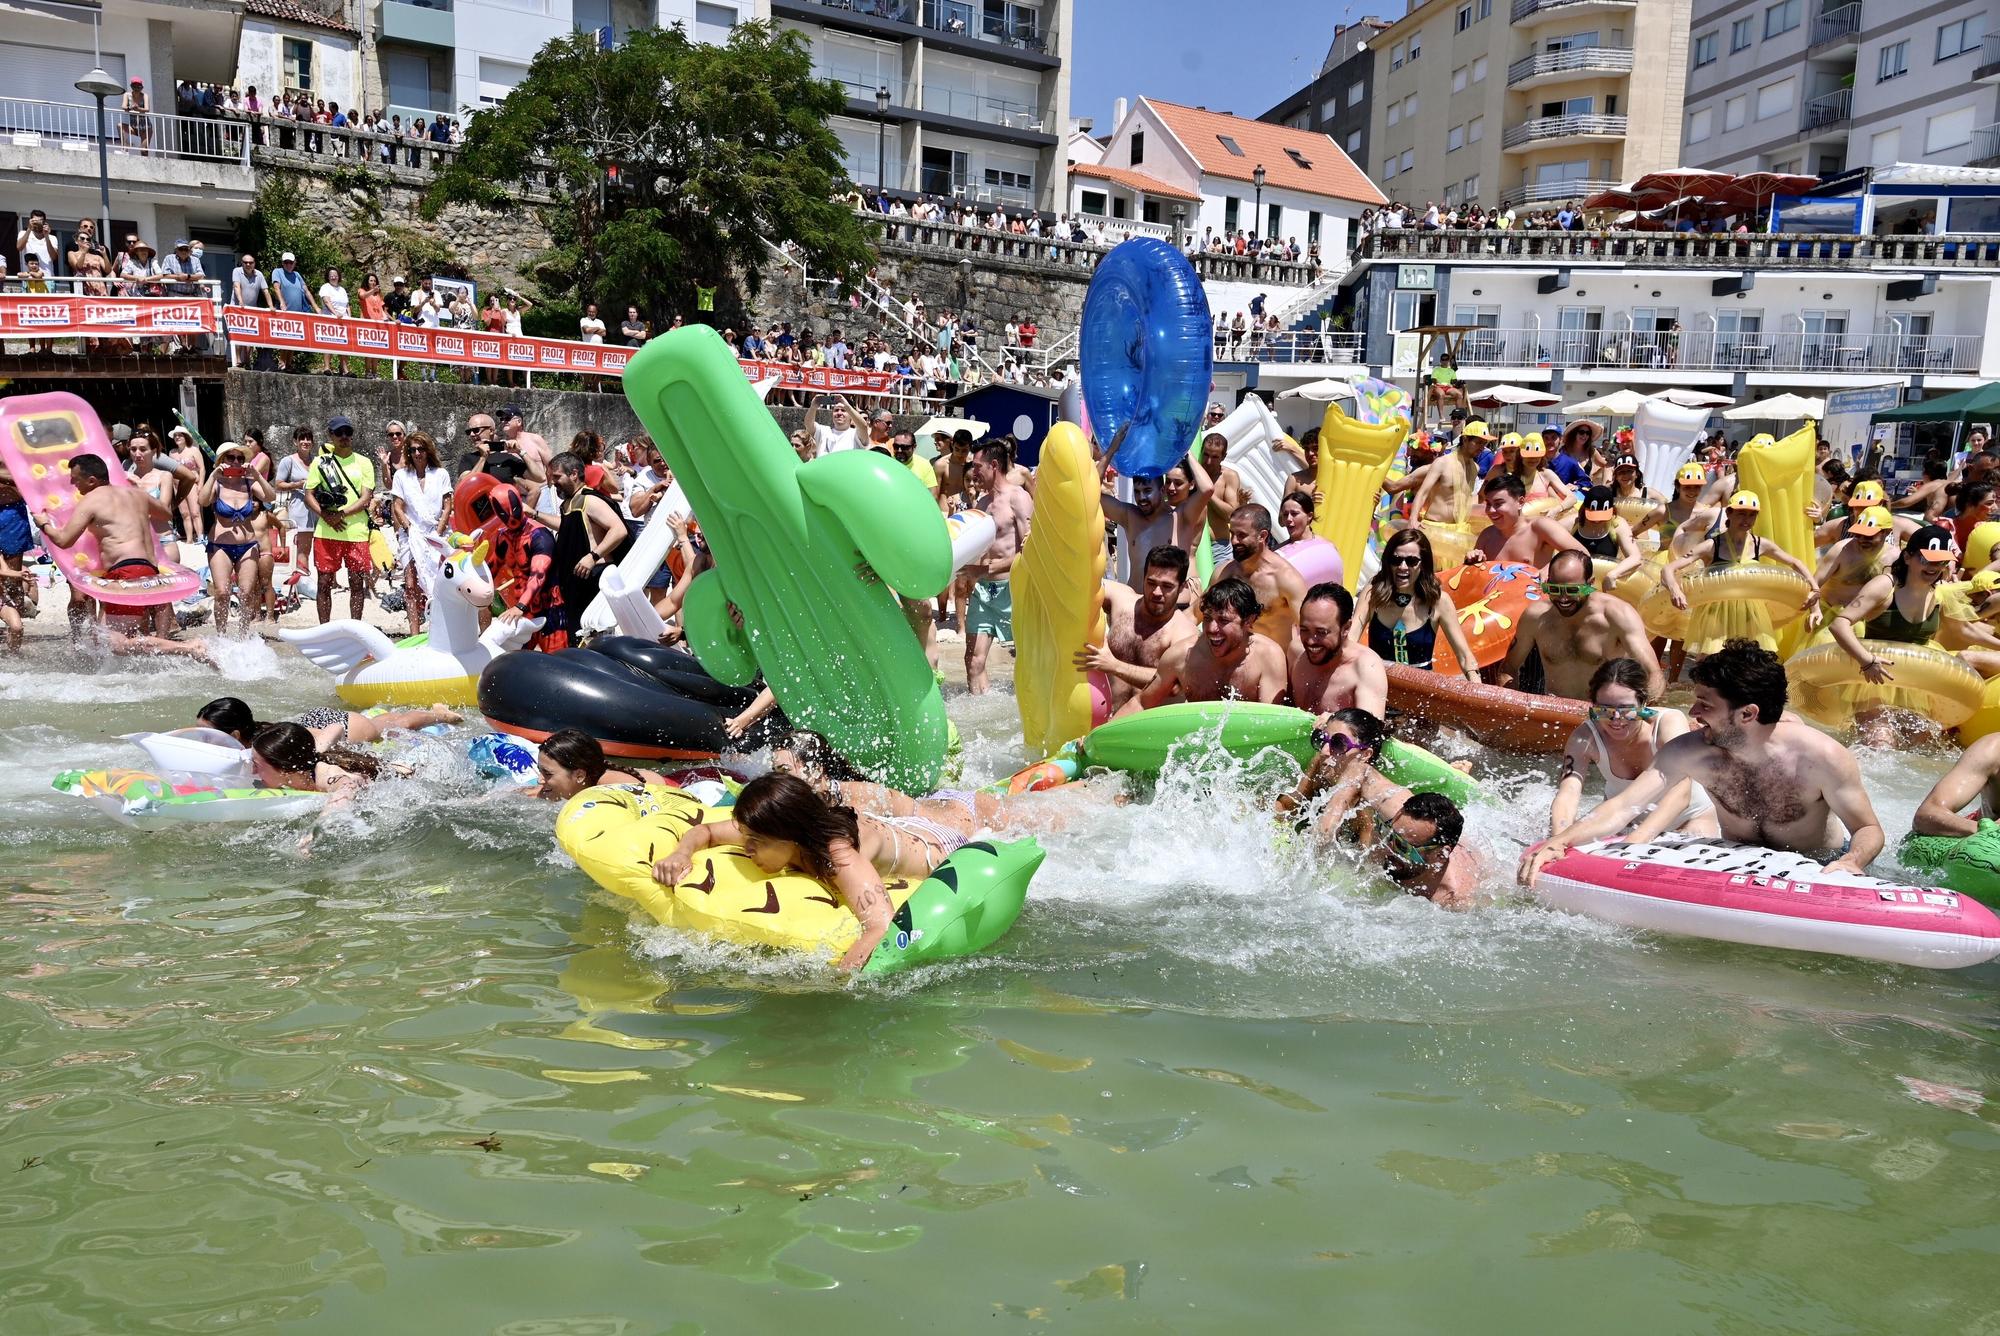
(429, 1080)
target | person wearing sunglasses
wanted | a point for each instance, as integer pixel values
(1330, 671)
(1140, 629)
(1620, 738)
(1573, 629)
(1413, 838)
(1336, 735)
(1404, 609)
(1512, 535)
(1229, 660)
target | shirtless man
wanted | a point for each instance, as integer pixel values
(1856, 559)
(1277, 583)
(1514, 537)
(1775, 782)
(1328, 673)
(1140, 629)
(1451, 482)
(1974, 780)
(123, 520)
(1167, 509)
(954, 469)
(989, 612)
(535, 450)
(1577, 630)
(1412, 837)
(1224, 500)
(1227, 661)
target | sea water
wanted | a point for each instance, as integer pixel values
(428, 1080)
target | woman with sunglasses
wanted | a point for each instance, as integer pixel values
(1413, 838)
(418, 497)
(1404, 609)
(1620, 738)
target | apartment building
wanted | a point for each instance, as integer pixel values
(1525, 101)
(1338, 100)
(1823, 86)
(946, 98)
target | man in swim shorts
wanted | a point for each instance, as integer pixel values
(1228, 661)
(1777, 783)
(989, 612)
(1577, 630)
(1330, 672)
(1140, 629)
(122, 519)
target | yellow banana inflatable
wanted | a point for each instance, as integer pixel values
(1781, 473)
(1058, 584)
(1354, 459)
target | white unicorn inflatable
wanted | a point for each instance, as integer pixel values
(441, 667)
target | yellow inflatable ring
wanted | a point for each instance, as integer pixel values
(1827, 686)
(1634, 588)
(1450, 542)
(1985, 719)
(1550, 507)
(1980, 543)
(1747, 602)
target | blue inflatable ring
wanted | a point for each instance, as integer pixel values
(1148, 354)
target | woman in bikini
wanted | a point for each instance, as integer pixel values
(810, 757)
(239, 496)
(1620, 738)
(330, 727)
(1404, 609)
(1730, 546)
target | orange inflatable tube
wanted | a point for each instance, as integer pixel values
(1491, 601)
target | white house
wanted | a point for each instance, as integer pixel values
(1213, 172)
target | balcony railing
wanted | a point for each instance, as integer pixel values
(1561, 127)
(1751, 250)
(1579, 60)
(972, 107)
(1553, 192)
(1505, 350)
(1836, 25)
(1828, 109)
(1989, 58)
(1339, 347)
(950, 17)
(1084, 255)
(29, 123)
(1529, 8)
(1986, 146)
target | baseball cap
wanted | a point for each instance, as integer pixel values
(1550, 431)
(396, 281)
(340, 422)
(181, 244)
(1458, 415)
(1932, 543)
(1986, 582)
(1870, 521)
(1867, 493)
(1627, 462)
(1477, 427)
(1691, 472)
(288, 258)
(120, 432)
(1598, 503)
(1745, 500)
(510, 411)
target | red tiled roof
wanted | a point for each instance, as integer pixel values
(292, 11)
(1331, 171)
(1131, 180)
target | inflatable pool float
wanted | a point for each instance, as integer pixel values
(1980, 545)
(972, 531)
(500, 756)
(1967, 863)
(1316, 560)
(445, 668)
(1147, 349)
(1634, 589)
(1058, 586)
(1354, 458)
(1451, 542)
(1781, 473)
(809, 556)
(966, 905)
(193, 751)
(1422, 771)
(153, 800)
(1750, 602)
(1497, 716)
(1252, 434)
(1760, 897)
(39, 435)
(1062, 768)
(1664, 437)
(637, 698)
(1491, 601)
(1827, 686)
(1985, 719)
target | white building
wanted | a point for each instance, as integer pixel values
(299, 46)
(1214, 173)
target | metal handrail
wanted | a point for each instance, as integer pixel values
(1834, 24)
(1582, 59)
(1781, 250)
(1524, 8)
(1561, 127)
(1828, 109)
(1553, 192)
(34, 123)
(1624, 347)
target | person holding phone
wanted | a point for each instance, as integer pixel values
(238, 493)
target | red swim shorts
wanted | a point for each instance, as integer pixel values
(330, 554)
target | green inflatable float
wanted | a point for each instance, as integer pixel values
(1140, 743)
(1969, 864)
(810, 555)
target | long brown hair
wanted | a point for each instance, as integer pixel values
(1383, 589)
(419, 440)
(292, 748)
(784, 807)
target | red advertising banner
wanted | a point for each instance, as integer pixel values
(47, 315)
(302, 331)
(823, 379)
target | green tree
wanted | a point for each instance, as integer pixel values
(671, 160)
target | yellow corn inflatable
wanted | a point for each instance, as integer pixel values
(1354, 459)
(1058, 584)
(1781, 474)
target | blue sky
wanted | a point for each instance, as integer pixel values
(1227, 56)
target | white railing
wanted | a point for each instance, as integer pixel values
(1832, 25)
(1320, 346)
(1553, 192)
(1527, 8)
(1713, 350)
(1732, 250)
(1577, 60)
(1561, 127)
(1827, 109)
(68, 285)
(877, 299)
(1311, 298)
(972, 107)
(1986, 143)
(31, 123)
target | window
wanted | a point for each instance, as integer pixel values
(1312, 228)
(1479, 69)
(1355, 92)
(1471, 191)
(1734, 112)
(1775, 99)
(1451, 195)
(1464, 17)
(1353, 141)
(1701, 125)
(1576, 41)
(1885, 147)
(299, 64)
(1274, 220)
(497, 78)
(1454, 139)
(1329, 109)
(1303, 162)
(1395, 113)
(1235, 151)
(1485, 9)
(1410, 155)
(1573, 106)
(1782, 17)
(1979, 214)
(1231, 208)
(1389, 170)
(1396, 56)
(1739, 36)
(1475, 129)
(1893, 61)
(1416, 46)
(713, 23)
(1951, 130)
(413, 80)
(1705, 48)
(1458, 78)
(1409, 106)
(1955, 39)
(1138, 147)
(1092, 203)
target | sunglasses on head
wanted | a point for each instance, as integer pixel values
(1568, 591)
(1337, 743)
(1623, 713)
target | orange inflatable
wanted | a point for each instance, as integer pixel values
(1490, 601)
(1509, 720)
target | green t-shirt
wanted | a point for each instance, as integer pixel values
(360, 474)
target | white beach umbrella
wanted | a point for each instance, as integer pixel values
(1779, 408)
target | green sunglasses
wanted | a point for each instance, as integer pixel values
(1568, 591)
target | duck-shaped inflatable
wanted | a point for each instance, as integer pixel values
(442, 667)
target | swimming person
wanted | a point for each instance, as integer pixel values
(1332, 670)
(810, 757)
(1413, 838)
(329, 725)
(1621, 736)
(286, 756)
(571, 761)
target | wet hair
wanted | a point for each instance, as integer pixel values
(784, 807)
(1503, 482)
(573, 749)
(90, 466)
(292, 748)
(813, 749)
(1619, 673)
(1744, 673)
(1259, 517)
(1304, 500)
(1383, 587)
(1169, 557)
(228, 714)
(1338, 593)
(1440, 811)
(1231, 593)
(1369, 730)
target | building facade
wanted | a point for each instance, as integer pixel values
(1338, 101)
(1525, 102)
(944, 98)
(1823, 86)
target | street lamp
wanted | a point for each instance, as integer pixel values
(1257, 213)
(881, 129)
(100, 86)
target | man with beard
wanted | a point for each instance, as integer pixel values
(1776, 782)
(1277, 583)
(1228, 661)
(1224, 500)
(1329, 673)
(1168, 509)
(588, 537)
(1576, 630)
(1141, 629)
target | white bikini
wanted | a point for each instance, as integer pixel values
(1697, 804)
